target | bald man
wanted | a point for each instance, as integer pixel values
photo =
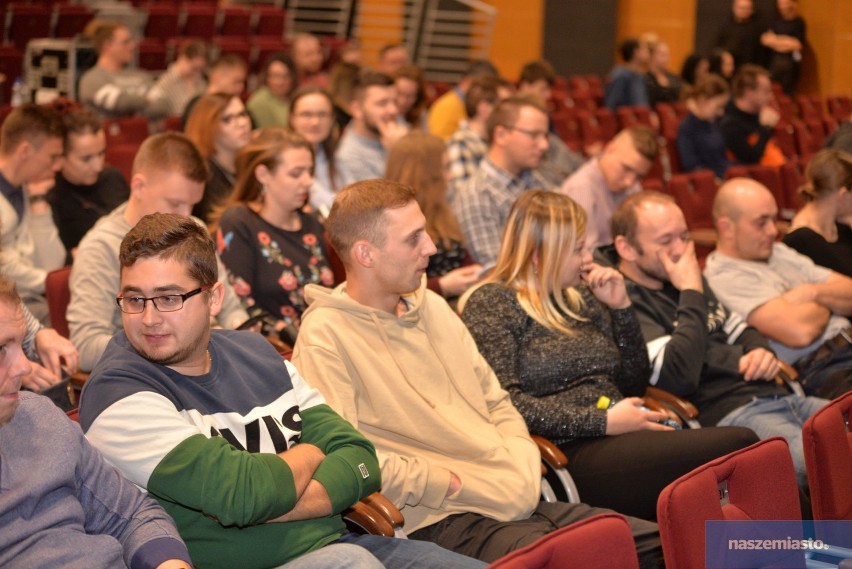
(602, 183)
(801, 307)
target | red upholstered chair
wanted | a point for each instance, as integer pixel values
(71, 19)
(163, 21)
(199, 21)
(603, 541)
(58, 295)
(27, 22)
(235, 21)
(840, 107)
(828, 455)
(754, 483)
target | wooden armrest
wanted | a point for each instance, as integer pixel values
(789, 377)
(704, 236)
(550, 453)
(364, 516)
(786, 373)
(386, 508)
(78, 380)
(681, 407)
(280, 347)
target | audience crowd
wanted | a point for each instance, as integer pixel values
(444, 275)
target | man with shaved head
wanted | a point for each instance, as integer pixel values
(801, 307)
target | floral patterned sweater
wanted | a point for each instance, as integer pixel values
(269, 266)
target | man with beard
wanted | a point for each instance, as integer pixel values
(517, 131)
(801, 307)
(698, 348)
(375, 127)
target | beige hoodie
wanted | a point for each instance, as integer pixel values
(417, 387)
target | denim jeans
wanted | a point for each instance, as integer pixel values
(336, 556)
(395, 553)
(778, 417)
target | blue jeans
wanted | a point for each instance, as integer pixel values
(395, 553)
(336, 556)
(778, 417)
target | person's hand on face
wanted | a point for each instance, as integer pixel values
(607, 284)
(685, 272)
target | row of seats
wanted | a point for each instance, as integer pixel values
(25, 21)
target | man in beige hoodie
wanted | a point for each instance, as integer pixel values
(393, 359)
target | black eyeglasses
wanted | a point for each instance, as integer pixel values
(164, 303)
(229, 118)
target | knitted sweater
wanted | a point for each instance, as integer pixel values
(556, 379)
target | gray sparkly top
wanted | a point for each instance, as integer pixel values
(555, 379)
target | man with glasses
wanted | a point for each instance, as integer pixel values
(249, 460)
(605, 181)
(168, 177)
(517, 132)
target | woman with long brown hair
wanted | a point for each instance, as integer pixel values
(270, 246)
(419, 160)
(219, 125)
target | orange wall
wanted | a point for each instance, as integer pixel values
(826, 69)
(672, 21)
(517, 35)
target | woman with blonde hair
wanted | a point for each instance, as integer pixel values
(818, 229)
(561, 335)
(419, 160)
(270, 246)
(219, 125)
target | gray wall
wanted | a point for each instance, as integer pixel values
(579, 35)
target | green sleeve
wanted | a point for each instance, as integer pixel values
(350, 470)
(235, 487)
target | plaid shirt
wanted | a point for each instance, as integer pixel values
(482, 206)
(465, 149)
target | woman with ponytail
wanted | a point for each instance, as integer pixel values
(817, 229)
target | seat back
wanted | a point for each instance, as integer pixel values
(828, 455)
(601, 541)
(754, 483)
(27, 22)
(58, 295)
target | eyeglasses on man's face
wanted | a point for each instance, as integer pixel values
(163, 303)
(535, 135)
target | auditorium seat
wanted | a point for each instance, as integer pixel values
(840, 107)
(827, 439)
(199, 21)
(755, 483)
(163, 21)
(269, 21)
(71, 19)
(152, 54)
(235, 21)
(26, 22)
(669, 121)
